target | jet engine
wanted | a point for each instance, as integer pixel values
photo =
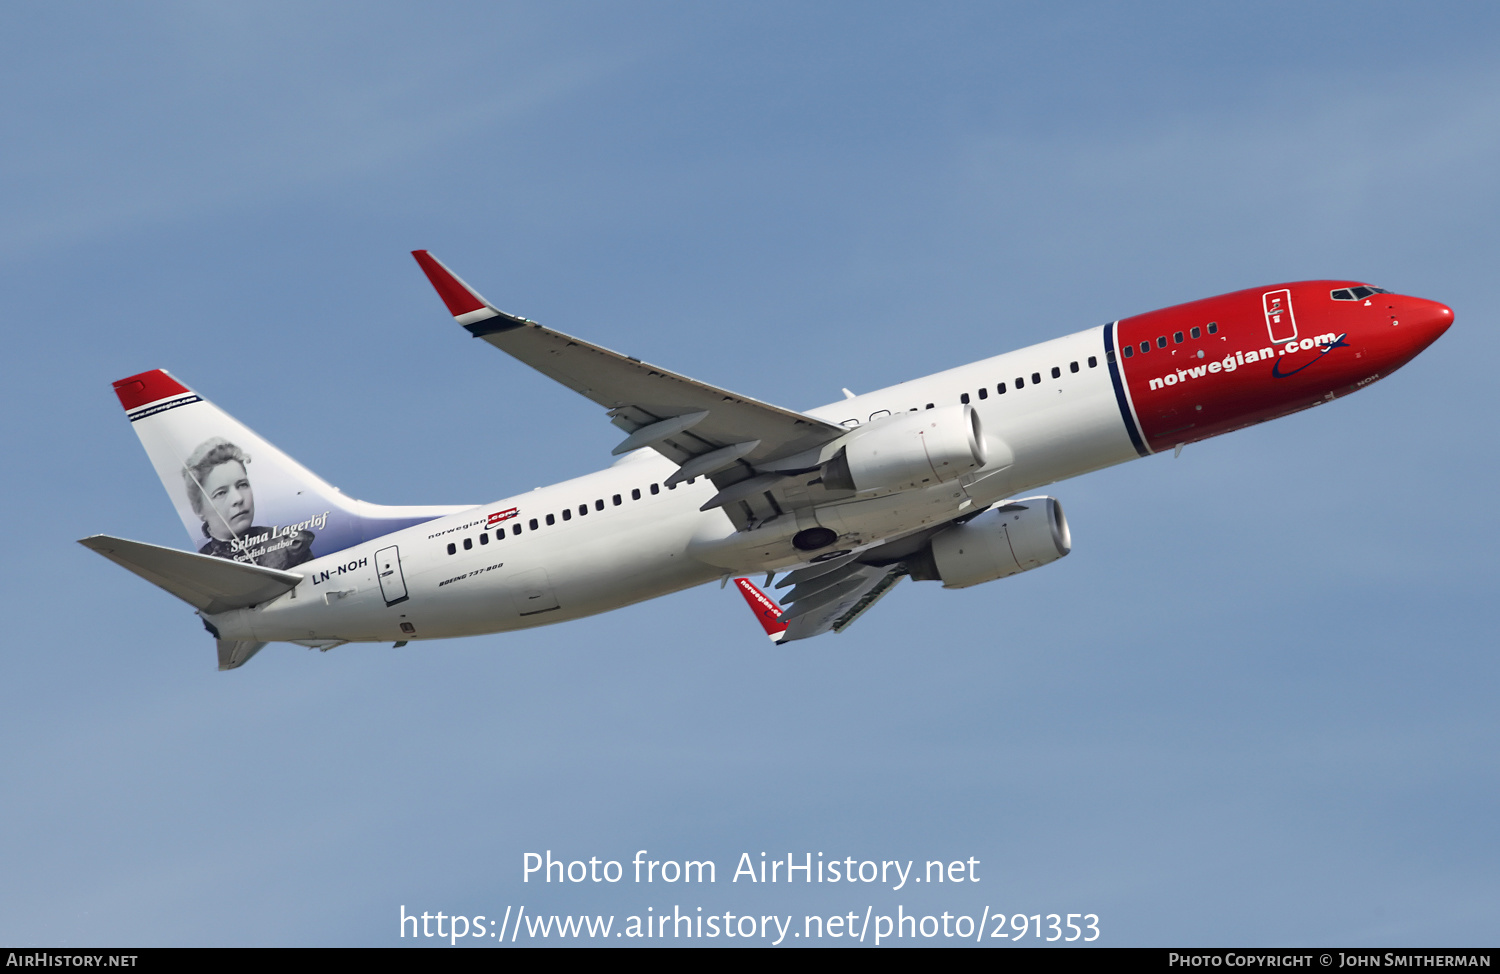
(909, 450)
(1022, 535)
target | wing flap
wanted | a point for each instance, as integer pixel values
(825, 609)
(837, 599)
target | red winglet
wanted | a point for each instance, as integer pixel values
(459, 297)
(137, 390)
(767, 611)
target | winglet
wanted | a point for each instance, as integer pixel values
(468, 306)
(767, 611)
(462, 300)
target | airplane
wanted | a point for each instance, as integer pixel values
(927, 479)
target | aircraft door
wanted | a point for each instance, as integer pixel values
(1281, 323)
(388, 570)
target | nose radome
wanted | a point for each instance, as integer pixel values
(1435, 318)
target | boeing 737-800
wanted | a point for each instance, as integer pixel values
(925, 479)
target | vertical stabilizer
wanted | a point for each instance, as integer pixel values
(239, 497)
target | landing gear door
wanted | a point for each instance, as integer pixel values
(388, 569)
(1280, 322)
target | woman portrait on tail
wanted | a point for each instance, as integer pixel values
(218, 487)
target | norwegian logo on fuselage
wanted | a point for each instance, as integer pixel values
(1322, 344)
(499, 516)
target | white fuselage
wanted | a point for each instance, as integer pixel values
(639, 540)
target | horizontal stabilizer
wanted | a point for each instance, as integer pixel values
(208, 584)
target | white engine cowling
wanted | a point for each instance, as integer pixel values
(910, 450)
(1018, 537)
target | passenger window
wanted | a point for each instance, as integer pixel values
(1145, 347)
(1057, 372)
(599, 504)
(635, 493)
(1020, 382)
(1213, 327)
(655, 489)
(1197, 332)
(616, 500)
(582, 509)
(468, 543)
(533, 524)
(1072, 366)
(1093, 361)
(1161, 341)
(1000, 389)
(963, 398)
(984, 393)
(1177, 338)
(452, 548)
(567, 514)
(515, 529)
(551, 520)
(1036, 378)
(929, 406)
(671, 486)
(1129, 351)
(484, 537)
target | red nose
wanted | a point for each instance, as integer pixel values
(1430, 320)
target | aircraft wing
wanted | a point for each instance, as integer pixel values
(825, 596)
(704, 429)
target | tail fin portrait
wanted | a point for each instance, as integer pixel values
(239, 497)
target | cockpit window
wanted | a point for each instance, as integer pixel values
(1356, 293)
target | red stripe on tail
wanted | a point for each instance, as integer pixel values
(137, 390)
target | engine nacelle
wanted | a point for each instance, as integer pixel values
(1018, 537)
(909, 450)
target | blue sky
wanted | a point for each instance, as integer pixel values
(1254, 706)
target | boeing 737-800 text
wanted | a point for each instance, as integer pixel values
(923, 479)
